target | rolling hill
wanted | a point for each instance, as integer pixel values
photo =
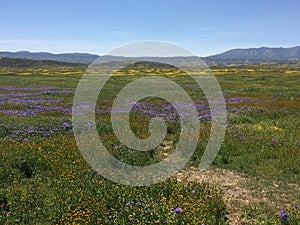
(29, 63)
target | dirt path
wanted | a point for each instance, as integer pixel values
(231, 183)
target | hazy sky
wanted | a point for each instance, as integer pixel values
(97, 26)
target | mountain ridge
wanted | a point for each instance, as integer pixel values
(30, 63)
(262, 54)
(238, 55)
(85, 58)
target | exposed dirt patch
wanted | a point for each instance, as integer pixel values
(231, 183)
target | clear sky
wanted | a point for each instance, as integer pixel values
(97, 26)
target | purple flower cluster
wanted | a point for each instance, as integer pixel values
(31, 88)
(135, 203)
(38, 100)
(25, 133)
(30, 101)
(129, 204)
(283, 216)
(36, 110)
(177, 210)
(169, 112)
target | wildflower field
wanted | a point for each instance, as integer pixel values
(45, 180)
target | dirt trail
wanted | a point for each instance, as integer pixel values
(231, 183)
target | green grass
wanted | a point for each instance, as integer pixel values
(45, 180)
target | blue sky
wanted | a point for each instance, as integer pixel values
(204, 27)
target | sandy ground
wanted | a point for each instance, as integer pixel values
(231, 183)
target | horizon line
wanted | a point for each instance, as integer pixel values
(102, 54)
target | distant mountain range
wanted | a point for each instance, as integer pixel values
(257, 55)
(84, 58)
(29, 63)
(234, 56)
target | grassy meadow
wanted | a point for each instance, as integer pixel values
(45, 180)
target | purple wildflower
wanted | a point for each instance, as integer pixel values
(176, 209)
(283, 216)
(65, 126)
(138, 203)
